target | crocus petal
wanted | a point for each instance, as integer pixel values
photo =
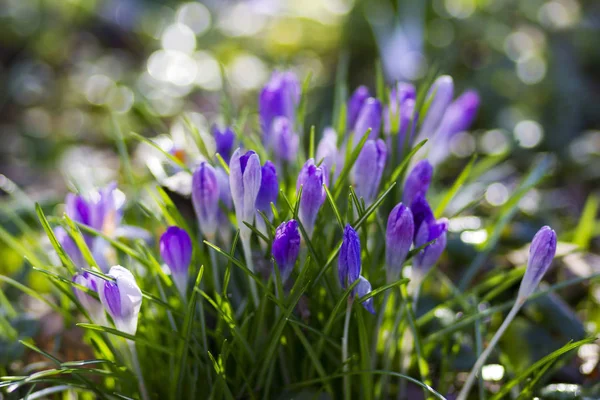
(417, 182)
(369, 117)
(362, 288)
(358, 98)
(176, 251)
(205, 198)
(349, 263)
(327, 151)
(368, 169)
(421, 212)
(439, 97)
(286, 246)
(541, 254)
(122, 299)
(285, 140)
(398, 238)
(224, 139)
(312, 179)
(269, 188)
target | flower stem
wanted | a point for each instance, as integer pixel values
(347, 393)
(215, 270)
(250, 264)
(138, 370)
(483, 357)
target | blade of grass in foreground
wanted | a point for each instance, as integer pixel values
(456, 186)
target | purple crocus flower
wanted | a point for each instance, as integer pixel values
(417, 182)
(439, 98)
(327, 149)
(269, 189)
(224, 139)
(421, 212)
(363, 288)
(69, 246)
(541, 254)
(205, 198)
(355, 104)
(225, 205)
(368, 169)
(279, 97)
(398, 239)
(458, 117)
(369, 117)
(244, 181)
(122, 299)
(312, 179)
(284, 139)
(90, 304)
(101, 210)
(176, 251)
(349, 263)
(427, 257)
(400, 111)
(286, 246)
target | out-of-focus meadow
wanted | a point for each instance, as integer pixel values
(77, 76)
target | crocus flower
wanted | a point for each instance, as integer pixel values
(367, 171)
(89, 303)
(286, 246)
(122, 299)
(69, 246)
(327, 149)
(398, 239)
(417, 181)
(369, 117)
(279, 97)
(458, 117)
(421, 212)
(349, 263)
(244, 181)
(541, 254)
(176, 251)
(224, 139)
(362, 288)
(284, 139)
(427, 257)
(358, 98)
(226, 204)
(205, 198)
(439, 98)
(269, 189)
(312, 179)
(400, 96)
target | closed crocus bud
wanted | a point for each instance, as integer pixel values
(269, 189)
(205, 198)
(176, 251)
(421, 212)
(417, 182)
(89, 303)
(400, 95)
(541, 254)
(367, 171)
(327, 149)
(225, 205)
(279, 97)
(430, 254)
(349, 263)
(363, 288)
(283, 139)
(69, 246)
(369, 117)
(244, 181)
(439, 98)
(312, 179)
(122, 299)
(224, 139)
(398, 239)
(358, 98)
(286, 246)
(458, 117)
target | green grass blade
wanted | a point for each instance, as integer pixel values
(456, 186)
(585, 228)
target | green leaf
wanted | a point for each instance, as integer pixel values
(585, 228)
(348, 164)
(456, 186)
(62, 254)
(167, 155)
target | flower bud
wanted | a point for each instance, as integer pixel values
(269, 189)
(176, 251)
(397, 117)
(541, 254)
(224, 139)
(327, 148)
(368, 169)
(458, 117)
(358, 98)
(223, 222)
(349, 263)
(286, 246)
(90, 304)
(421, 212)
(363, 288)
(279, 97)
(417, 181)
(430, 254)
(439, 97)
(312, 179)
(122, 299)
(398, 239)
(369, 117)
(284, 140)
(244, 181)
(205, 198)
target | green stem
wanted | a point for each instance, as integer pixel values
(138, 370)
(347, 394)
